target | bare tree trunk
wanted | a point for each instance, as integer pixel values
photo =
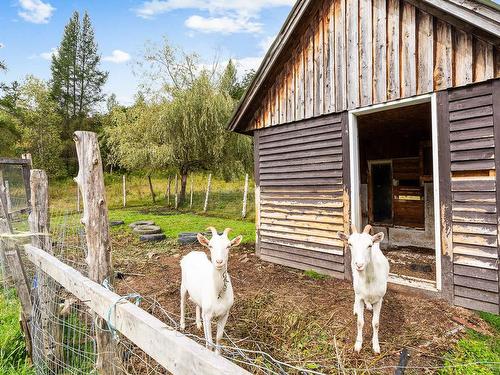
(184, 177)
(151, 189)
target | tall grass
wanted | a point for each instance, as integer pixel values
(12, 348)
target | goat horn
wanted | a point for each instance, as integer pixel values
(213, 230)
(353, 228)
(227, 230)
(367, 229)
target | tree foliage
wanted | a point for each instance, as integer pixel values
(182, 128)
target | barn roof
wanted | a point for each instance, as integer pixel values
(480, 17)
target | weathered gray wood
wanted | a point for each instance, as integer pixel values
(340, 56)
(90, 180)
(471, 113)
(329, 55)
(39, 222)
(408, 51)
(285, 262)
(380, 51)
(463, 58)
(496, 122)
(472, 282)
(171, 349)
(393, 75)
(7, 196)
(425, 52)
(473, 185)
(352, 66)
(366, 52)
(443, 56)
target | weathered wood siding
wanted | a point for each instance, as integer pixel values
(301, 194)
(353, 53)
(474, 125)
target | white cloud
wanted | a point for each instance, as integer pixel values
(224, 25)
(35, 11)
(48, 55)
(265, 43)
(2, 45)
(117, 57)
(245, 64)
(151, 8)
(225, 16)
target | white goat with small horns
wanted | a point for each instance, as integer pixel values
(208, 284)
(370, 271)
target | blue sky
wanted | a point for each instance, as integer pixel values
(238, 29)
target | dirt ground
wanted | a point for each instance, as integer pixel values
(303, 321)
(412, 261)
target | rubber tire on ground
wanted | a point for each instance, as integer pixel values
(152, 237)
(141, 222)
(116, 223)
(147, 229)
(187, 240)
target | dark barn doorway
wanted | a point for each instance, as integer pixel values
(396, 186)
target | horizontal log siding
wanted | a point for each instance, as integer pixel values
(474, 199)
(357, 53)
(301, 195)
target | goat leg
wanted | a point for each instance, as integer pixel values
(359, 311)
(220, 331)
(375, 323)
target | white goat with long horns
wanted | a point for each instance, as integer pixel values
(208, 284)
(370, 271)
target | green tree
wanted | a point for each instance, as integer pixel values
(39, 124)
(9, 123)
(183, 127)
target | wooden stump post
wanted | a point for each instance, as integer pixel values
(13, 262)
(245, 195)
(7, 197)
(176, 203)
(39, 221)
(205, 206)
(124, 188)
(191, 194)
(90, 180)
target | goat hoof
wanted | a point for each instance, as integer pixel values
(376, 349)
(357, 346)
(198, 325)
(182, 326)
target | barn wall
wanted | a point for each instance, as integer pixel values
(470, 127)
(300, 177)
(353, 53)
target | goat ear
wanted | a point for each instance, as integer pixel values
(343, 236)
(202, 239)
(379, 237)
(236, 241)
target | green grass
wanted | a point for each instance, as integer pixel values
(225, 198)
(12, 348)
(476, 353)
(314, 275)
(174, 223)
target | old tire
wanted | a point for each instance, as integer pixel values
(147, 229)
(187, 240)
(152, 237)
(141, 222)
(116, 223)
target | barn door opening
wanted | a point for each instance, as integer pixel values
(394, 185)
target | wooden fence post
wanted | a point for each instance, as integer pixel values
(124, 188)
(39, 221)
(191, 194)
(15, 269)
(245, 194)
(77, 199)
(90, 180)
(7, 197)
(205, 206)
(176, 196)
(168, 191)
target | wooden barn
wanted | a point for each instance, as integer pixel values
(384, 112)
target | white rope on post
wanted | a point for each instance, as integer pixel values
(191, 194)
(124, 188)
(245, 195)
(207, 193)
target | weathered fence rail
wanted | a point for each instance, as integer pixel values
(174, 351)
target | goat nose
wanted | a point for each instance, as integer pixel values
(218, 261)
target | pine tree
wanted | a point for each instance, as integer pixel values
(77, 80)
